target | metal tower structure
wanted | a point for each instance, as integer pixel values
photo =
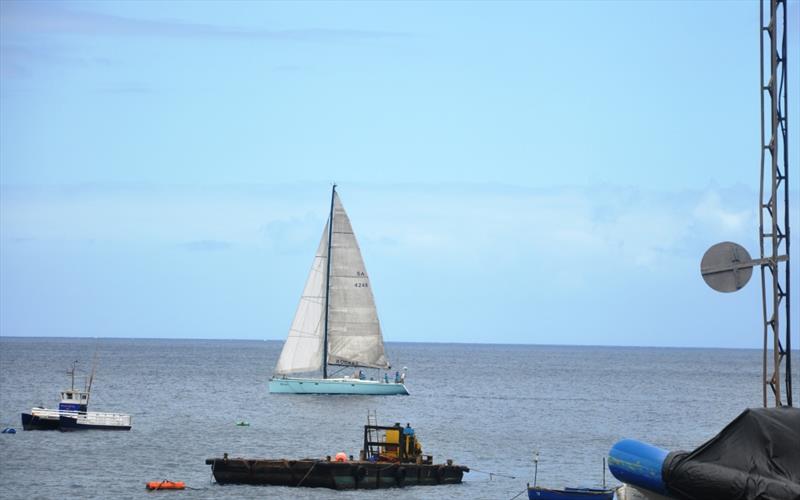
(774, 204)
(726, 266)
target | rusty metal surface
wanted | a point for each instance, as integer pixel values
(774, 204)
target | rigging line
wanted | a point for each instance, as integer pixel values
(492, 473)
(518, 494)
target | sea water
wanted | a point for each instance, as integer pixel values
(490, 407)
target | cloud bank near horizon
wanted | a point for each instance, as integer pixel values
(201, 261)
(460, 221)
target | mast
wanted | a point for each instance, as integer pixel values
(327, 289)
(91, 378)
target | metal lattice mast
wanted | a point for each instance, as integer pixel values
(774, 202)
(727, 266)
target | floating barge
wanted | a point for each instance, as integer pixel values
(391, 458)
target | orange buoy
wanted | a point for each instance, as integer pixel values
(341, 457)
(166, 485)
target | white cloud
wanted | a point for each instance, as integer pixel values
(711, 210)
(459, 225)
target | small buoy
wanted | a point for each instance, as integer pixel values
(9, 430)
(166, 485)
(340, 457)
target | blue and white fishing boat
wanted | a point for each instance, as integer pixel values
(538, 493)
(73, 412)
(336, 326)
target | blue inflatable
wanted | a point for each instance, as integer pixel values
(9, 430)
(639, 464)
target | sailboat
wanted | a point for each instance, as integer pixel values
(336, 325)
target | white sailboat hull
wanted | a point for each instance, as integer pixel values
(335, 386)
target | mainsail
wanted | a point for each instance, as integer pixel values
(354, 331)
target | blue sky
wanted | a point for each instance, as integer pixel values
(516, 172)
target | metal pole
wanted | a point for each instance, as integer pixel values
(328, 289)
(761, 211)
(776, 307)
(787, 239)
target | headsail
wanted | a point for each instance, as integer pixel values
(354, 331)
(302, 351)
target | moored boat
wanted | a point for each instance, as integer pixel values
(391, 457)
(539, 493)
(73, 412)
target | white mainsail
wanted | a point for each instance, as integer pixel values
(302, 351)
(354, 331)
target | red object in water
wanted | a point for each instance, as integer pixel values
(166, 485)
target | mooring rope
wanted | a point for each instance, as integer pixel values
(307, 473)
(518, 494)
(491, 474)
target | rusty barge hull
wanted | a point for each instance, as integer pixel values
(335, 475)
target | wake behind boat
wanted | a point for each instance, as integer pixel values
(72, 413)
(336, 323)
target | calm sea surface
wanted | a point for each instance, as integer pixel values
(485, 406)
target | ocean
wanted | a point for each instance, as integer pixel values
(489, 407)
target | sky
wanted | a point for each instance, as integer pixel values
(521, 172)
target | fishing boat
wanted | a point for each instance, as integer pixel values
(336, 326)
(73, 412)
(538, 493)
(390, 458)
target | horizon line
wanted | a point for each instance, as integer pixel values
(46, 337)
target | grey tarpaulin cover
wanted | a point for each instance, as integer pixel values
(757, 456)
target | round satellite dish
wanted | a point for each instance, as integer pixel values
(726, 267)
